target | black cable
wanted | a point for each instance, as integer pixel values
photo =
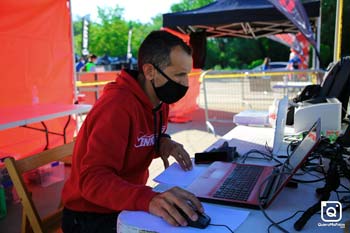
(312, 167)
(322, 166)
(286, 162)
(314, 175)
(293, 142)
(331, 184)
(286, 219)
(276, 224)
(310, 158)
(307, 181)
(267, 148)
(342, 200)
(245, 155)
(344, 187)
(267, 156)
(221, 225)
(306, 170)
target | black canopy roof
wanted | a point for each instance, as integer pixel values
(238, 18)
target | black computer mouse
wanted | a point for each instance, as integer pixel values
(202, 221)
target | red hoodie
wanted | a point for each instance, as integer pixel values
(114, 148)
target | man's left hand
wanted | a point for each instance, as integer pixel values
(168, 148)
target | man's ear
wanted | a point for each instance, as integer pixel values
(148, 71)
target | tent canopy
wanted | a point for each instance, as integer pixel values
(238, 18)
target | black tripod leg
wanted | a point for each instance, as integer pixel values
(332, 183)
(298, 225)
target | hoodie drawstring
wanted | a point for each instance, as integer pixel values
(158, 132)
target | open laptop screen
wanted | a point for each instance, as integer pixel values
(297, 158)
(280, 125)
(307, 144)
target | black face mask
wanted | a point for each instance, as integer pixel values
(171, 91)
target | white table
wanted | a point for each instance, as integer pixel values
(290, 84)
(287, 203)
(22, 116)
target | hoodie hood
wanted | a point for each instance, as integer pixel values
(126, 81)
(126, 84)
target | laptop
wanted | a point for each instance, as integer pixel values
(262, 138)
(244, 184)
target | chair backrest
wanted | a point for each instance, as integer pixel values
(16, 168)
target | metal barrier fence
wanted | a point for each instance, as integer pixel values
(225, 93)
(90, 84)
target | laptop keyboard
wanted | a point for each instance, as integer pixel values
(239, 184)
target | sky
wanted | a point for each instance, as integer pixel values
(136, 10)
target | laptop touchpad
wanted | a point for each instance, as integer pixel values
(217, 174)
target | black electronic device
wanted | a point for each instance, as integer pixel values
(209, 157)
(202, 221)
(224, 153)
(336, 84)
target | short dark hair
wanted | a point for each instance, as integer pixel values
(156, 48)
(93, 56)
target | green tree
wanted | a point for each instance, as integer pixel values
(189, 5)
(77, 35)
(141, 30)
(110, 35)
(328, 29)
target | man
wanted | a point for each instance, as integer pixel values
(80, 65)
(266, 63)
(91, 64)
(294, 60)
(121, 135)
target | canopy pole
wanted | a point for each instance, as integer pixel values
(316, 61)
(338, 30)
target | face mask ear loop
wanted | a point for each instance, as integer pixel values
(162, 73)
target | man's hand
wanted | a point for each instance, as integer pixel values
(169, 147)
(163, 205)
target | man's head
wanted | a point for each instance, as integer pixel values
(156, 48)
(165, 60)
(93, 58)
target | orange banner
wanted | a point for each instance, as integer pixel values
(36, 66)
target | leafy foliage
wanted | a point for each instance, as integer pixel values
(110, 35)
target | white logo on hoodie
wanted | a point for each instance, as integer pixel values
(145, 140)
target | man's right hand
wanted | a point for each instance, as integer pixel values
(163, 205)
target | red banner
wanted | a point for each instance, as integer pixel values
(298, 44)
(295, 12)
(36, 66)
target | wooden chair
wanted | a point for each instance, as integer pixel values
(31, 220)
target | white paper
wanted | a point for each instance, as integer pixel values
(219, 214)
(174, 175)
